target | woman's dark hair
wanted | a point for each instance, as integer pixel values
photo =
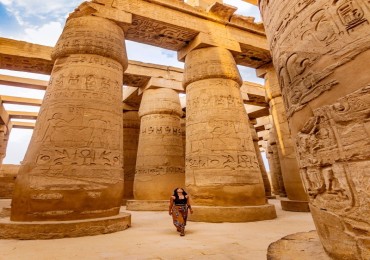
(175, 192)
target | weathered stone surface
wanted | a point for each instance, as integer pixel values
(275, 168)
(232, 214)
(160, 162)
(131, 130)
(62, 229)
(294, 205)
(303, 246)
(73, 167)
(266, 181)
(324, 78)
(284, 143)
(8, 175)
(221, 165)
(147, 205)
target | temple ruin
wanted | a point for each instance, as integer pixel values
(114, 132)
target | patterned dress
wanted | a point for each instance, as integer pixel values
(180, 214)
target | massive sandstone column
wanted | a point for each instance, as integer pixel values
(73, 167)
(275, 166)
(131, 130)
(296, 197)
(321, 52)
(266, 181)
(160, 162)
(222, 171)
(4, 137)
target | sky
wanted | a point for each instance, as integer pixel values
(41, 22)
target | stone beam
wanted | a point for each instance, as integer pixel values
(23, 125)
(24, 56)
(264, 135)
(21, 101)
(22, 115)
(22, 82)
(163, 83)
(174, 24)
(253, 94)
(259, 113)
(253, 2)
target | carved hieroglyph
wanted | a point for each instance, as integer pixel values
(131, 130)
(73, 167)
(221, 164)
(160, 161)
(321, 51)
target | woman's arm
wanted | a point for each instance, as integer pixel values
(171, 205)
(188, 203)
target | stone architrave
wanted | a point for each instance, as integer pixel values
(266, 181)
(160, 162)
(131, 130)
(222, 171)
(296, 197)
(275, 164)
(72, 170)
(321, 53)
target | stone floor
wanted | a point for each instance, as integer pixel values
(152, 236)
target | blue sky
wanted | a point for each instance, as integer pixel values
(42, 21)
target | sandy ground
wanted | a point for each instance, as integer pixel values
(152, 236)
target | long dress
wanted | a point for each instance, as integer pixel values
(180, 214)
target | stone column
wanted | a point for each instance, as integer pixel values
(4, 137)
(274, 180)
(266, 181)
(296, 197)
(273, 151)
(131, 130)
(73, 167)
(183, 132)
(160, 162)
(222, 171)
(321, 52)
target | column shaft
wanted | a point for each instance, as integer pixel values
(73, 167)
(222, 169)
(131, 130)
(160, 162)
(321, 52)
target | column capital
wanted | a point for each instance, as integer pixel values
(203, 40)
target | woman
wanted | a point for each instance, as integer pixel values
(179, 206)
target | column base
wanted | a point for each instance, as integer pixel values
(61, 229)
(147, 205)
(271, 197)
(294, 205)
(306, 245)
(218, 214)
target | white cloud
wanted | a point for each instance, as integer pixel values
(26, 9)
(47, 34)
